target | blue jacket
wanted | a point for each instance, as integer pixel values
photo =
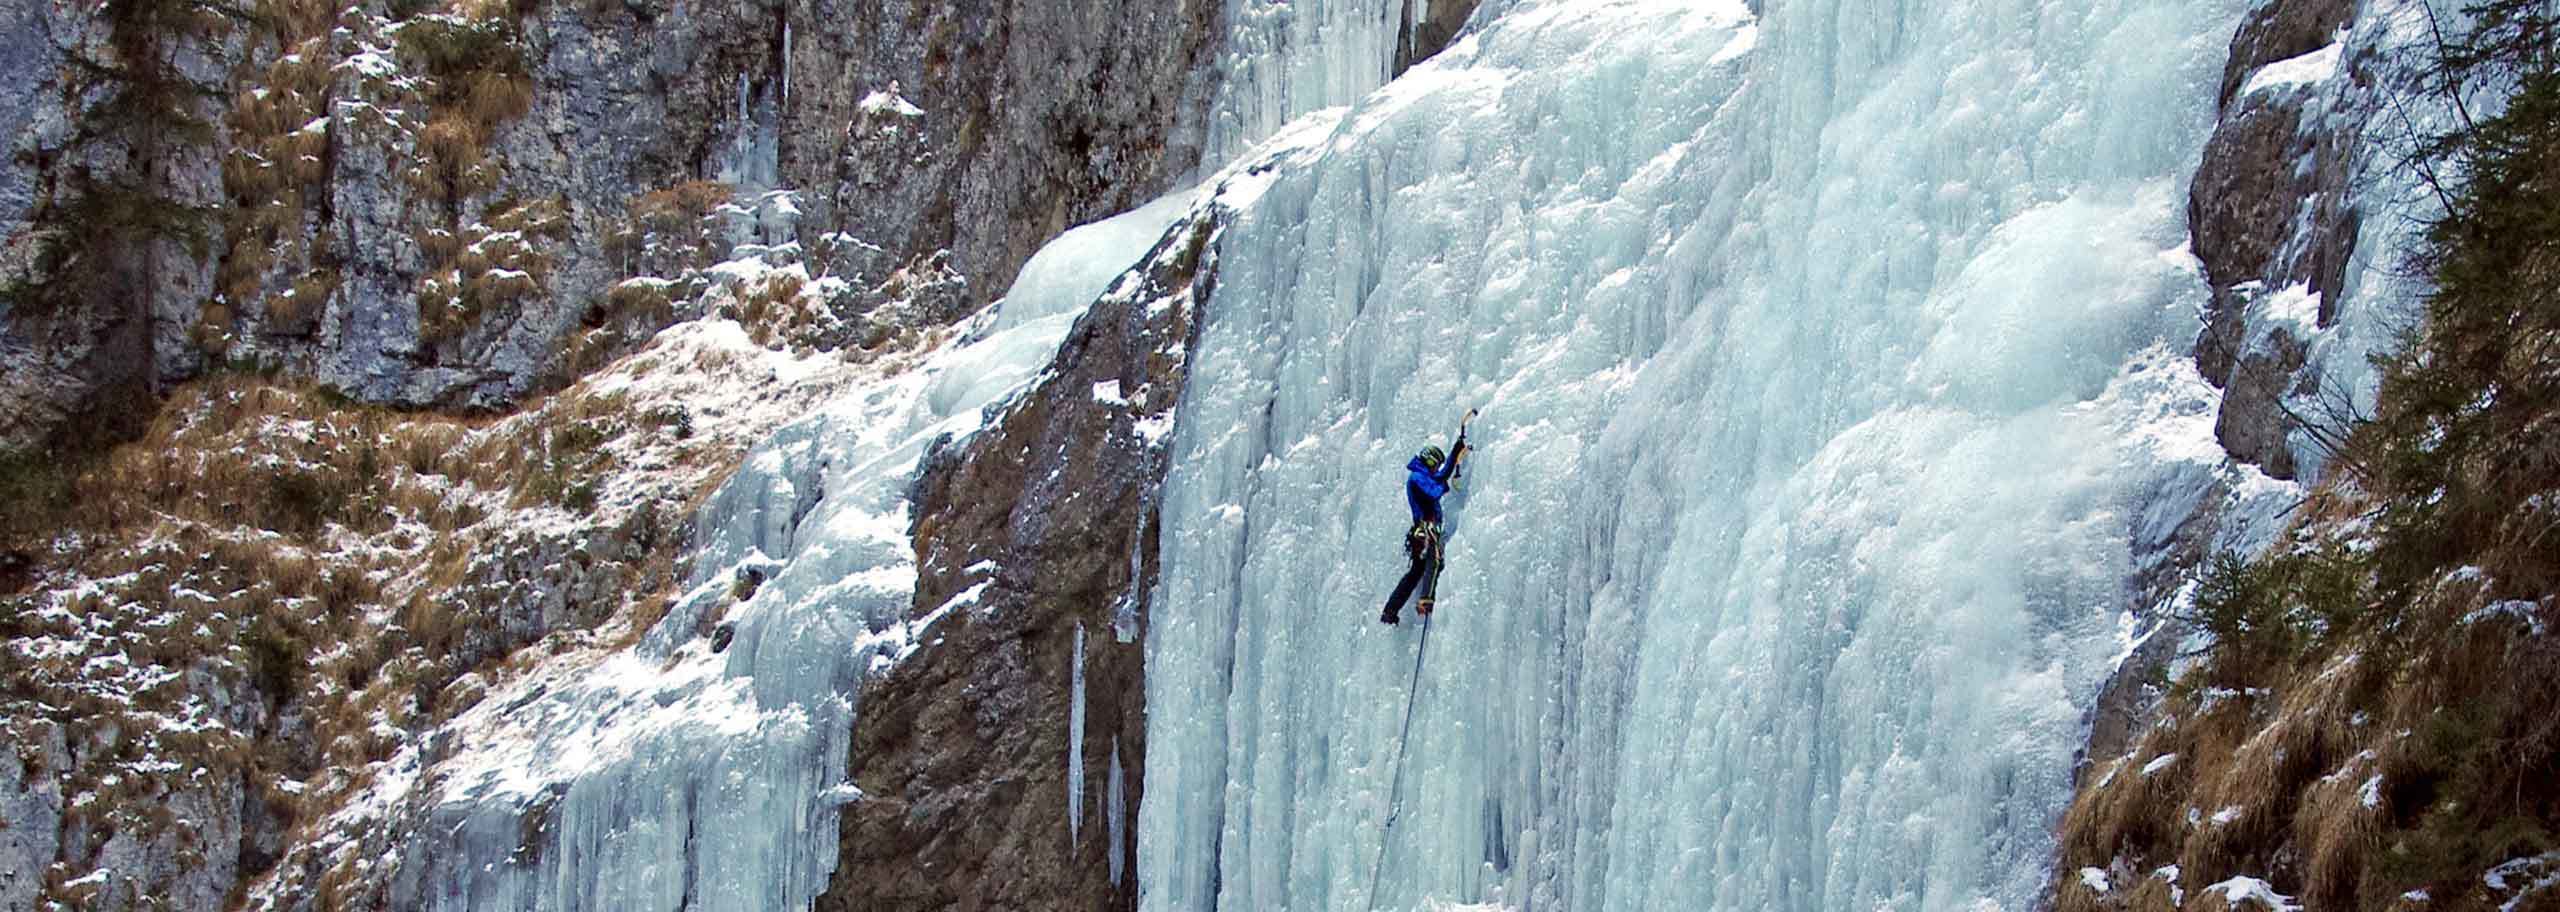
(1424, 487)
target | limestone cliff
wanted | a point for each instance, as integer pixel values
(431, 204)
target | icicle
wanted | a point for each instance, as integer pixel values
(1118, 811)
(1075, 740)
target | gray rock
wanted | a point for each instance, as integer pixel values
(626, 98)
(2269, 208)
(1034, 117)
(30, 813)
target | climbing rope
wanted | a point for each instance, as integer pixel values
(1396, 783)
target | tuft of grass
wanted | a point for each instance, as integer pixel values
(36, 493)
(489, 266)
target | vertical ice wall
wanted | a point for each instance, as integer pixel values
(1284, 58)
(1829, 354)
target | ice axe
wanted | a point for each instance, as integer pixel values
(1458, 454)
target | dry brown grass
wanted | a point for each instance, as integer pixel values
(669, 231)
(278, 160)
(248, 491)
(486, 267)
(2364, 773)
(479, 82)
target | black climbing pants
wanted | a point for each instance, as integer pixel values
(1422, 547)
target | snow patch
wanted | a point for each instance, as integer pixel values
(888, 101)
(2526, 613)
(2294, 310)
(2296, 72)
(2238, 890)
(2095, 880)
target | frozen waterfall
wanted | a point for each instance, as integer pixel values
(1285, 58)
(1829, 354)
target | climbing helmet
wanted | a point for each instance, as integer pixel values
(1432, 457)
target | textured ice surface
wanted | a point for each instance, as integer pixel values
(1284, 58)
(1833, 367)
(1069, 272)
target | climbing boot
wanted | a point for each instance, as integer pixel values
(1388, 616)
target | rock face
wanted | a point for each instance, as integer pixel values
(1419, 38)
(2272, 221)
(1002, 767)
(103, 207)
(2270, 211)
(987, 127)
(433, 208)
(28, 791)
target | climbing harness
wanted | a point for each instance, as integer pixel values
(1395, 783)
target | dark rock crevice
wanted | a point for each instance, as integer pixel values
(1419, 38)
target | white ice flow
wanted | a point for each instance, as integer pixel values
(1284, 58)
(1833, 365)
(676, 776)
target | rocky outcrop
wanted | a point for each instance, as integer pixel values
(1001, 768)
(2271, 210)
(106, 203)
(1020, 118)
(431, 206)
(29, 792)
(2272, 221)
(1419, 37)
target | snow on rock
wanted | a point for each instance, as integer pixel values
(2524, 882)
(2095, 880)
(2169, 874)
(2239, 890)
(2526, 615)
(2304, 70)
(888, 101)
(2295, 310)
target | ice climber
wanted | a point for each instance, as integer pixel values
(1427, 479)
